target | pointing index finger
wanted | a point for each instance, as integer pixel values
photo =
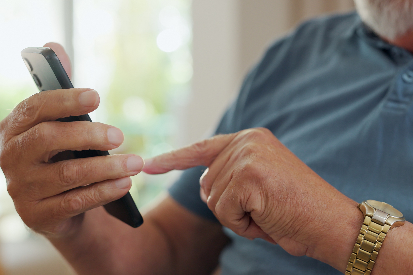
(200, 153)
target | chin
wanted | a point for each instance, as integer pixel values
(388, 18)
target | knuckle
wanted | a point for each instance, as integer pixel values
(239, 226)
(19, 183)
(200, 148)
(39, 135)
(264, 130)
(43, 134)
(71, 204)
(25, 113)
(249, 149)
(27, 110)
(83, 199)
(206, 185)
(265, 214)
(212, 206)
(252, 172)
(95, 196)
(219, 208)
(69, 173)
(29, 138)
(173, 154)
(226, 217)
(204, 180)
(16, 148)
(91, 133)
(97, 132)
(257, 133)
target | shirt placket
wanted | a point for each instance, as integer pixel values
(401, 96)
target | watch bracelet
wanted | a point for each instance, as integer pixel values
(367, 247)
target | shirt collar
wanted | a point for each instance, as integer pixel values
(398, 54)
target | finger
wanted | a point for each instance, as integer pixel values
(62, 55)
(214, 191)
(65, 175)
(77, 201)
(43, 141)
(216, 178)
(204, 197)
(253, 231)
(49, 106)
(218, 169)
(221, 168)
(229, 211)
(221, 181)
(200, 153)
(202, 193)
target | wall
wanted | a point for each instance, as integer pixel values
(228, 38)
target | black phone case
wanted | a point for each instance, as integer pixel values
(49, 74)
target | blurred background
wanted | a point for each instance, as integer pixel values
(165, 71)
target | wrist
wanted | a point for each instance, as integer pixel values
(336, 239)
(379, 218)
(80, 235)
(395, 256)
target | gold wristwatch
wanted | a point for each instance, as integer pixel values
(379, 218)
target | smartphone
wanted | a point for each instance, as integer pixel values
(49, 74)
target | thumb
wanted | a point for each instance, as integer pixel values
(200, 153)
(62, 55)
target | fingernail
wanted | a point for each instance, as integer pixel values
(89, 98)
(201, 179)
(148, 161)
(204, 197)
(123, 183)
(115, 136)
(134, 163)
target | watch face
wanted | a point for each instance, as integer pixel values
(385, 208)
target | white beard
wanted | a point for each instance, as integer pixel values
(387, 18)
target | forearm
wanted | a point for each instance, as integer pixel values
(172, 240)
(258, 188)
(105, 246)
(395, 256)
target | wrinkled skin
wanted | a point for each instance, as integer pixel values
(258, 188)
(50, 190)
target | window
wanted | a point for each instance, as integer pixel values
(136, 55)
(23, 23)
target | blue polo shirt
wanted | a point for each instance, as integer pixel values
(338, 97)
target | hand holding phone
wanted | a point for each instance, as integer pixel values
(49, 74)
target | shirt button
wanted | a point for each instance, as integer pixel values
(408, 77)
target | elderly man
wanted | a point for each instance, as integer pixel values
(337, 93)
